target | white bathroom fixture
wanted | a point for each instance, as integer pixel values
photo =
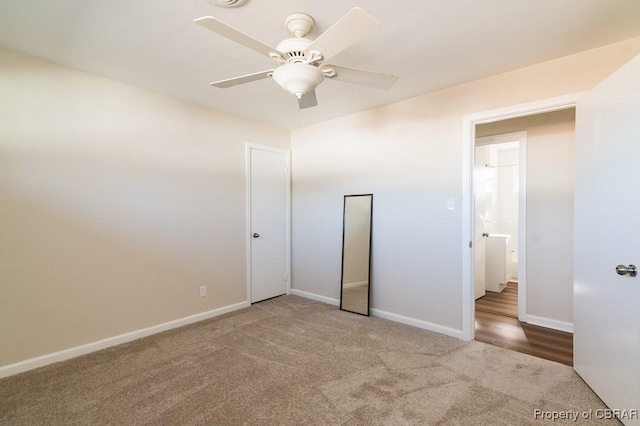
(496, 262)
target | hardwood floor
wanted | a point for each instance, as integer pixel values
(497, 324)
(505, 303)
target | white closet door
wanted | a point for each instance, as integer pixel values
(269, 197)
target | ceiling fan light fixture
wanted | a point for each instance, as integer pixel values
(301, 60)
(298, 79)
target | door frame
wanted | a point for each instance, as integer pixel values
(521, 137)
(469, 123)
(249, 146)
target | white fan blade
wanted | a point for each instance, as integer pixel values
(364, 78)
(219, 27)
(308, 100)
(350, 29)
(230, 82)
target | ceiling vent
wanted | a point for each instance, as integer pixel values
(227, 3)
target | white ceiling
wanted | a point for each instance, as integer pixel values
(429, 44)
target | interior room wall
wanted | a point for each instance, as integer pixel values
(409, 155)
(550, 222)
(116, 205)
(550, 180)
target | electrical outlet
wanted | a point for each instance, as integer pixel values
(203, 290)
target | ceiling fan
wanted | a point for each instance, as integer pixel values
(301, 61)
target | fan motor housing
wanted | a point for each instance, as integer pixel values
(294, 48)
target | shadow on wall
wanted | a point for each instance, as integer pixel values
(89, 245)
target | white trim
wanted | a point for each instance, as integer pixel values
(355, 284)
(521, 137)
(522, 230)
(386, 315)
(469, 123)
(550, 323)
(41, 361)
(316, 297)
(523, 110)
(247, 223)
(502, 138)
(417, 323)
(248, 147)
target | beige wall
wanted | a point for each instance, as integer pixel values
(409, 155)
(116, 204)
(550, 183)
(550, 222)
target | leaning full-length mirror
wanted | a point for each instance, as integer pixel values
(356, 254)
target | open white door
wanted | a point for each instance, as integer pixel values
(607, 234)
(479, 193)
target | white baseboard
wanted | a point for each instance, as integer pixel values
(316, 297)
(417, 323)
(386, 315)
(355, 284)
(549, 323)
(41, 361)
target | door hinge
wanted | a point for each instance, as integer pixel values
(470, 244)
(286, 276)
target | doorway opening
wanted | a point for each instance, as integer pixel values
(500, 194)
(508, 314)
(500, 227)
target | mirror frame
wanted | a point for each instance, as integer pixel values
(346, 197)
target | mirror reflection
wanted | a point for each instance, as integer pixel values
(356, 253)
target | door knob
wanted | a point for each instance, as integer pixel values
(630, 270)
(256, 235)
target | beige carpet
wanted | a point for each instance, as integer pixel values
(296, 362)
